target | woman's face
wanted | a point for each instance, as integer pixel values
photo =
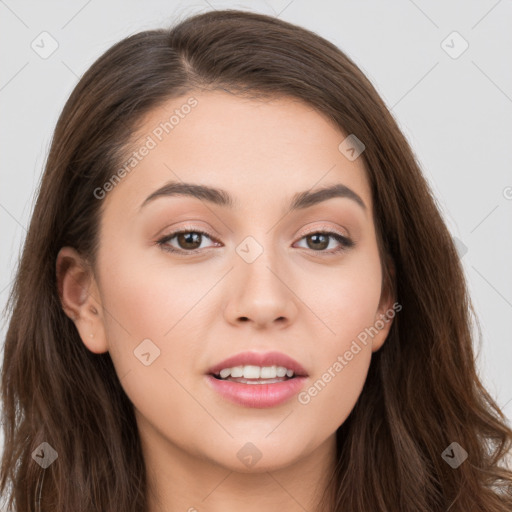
(262, 279)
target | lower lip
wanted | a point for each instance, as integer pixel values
(257, 395)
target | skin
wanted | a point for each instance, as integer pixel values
(295, 298)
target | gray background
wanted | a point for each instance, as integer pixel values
(456, 113)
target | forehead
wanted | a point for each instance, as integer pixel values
(263, 151)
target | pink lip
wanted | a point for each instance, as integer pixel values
(257, 395)
(259, 359)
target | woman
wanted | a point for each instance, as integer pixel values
(237, 289)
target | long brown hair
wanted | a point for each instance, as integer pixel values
(422, 391)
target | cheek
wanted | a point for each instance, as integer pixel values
(348, 299)
(348, 309)
(133, 310)
(148, 333)
(343, 353)
(152, 308)
(142, 295)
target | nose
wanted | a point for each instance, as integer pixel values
(261, 294)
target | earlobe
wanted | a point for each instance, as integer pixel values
(80, 298)
(383, 325)
(386, 311)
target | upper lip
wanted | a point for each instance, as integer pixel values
(259, 359)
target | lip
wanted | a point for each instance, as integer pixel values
(258, 395)
(259, 359)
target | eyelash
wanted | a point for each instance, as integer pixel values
(345, 243)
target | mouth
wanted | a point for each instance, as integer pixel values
(252, 374)
(257, 380)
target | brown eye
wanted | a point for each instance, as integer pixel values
(188, 241)
(320, 241)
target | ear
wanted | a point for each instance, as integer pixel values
(387, 309)
(80, 298)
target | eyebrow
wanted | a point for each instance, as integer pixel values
(220, 197)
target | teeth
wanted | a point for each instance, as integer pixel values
(256, 372)
(252, 372)
(225, 373)
(237, 371)
(281, 371)
(268, 372)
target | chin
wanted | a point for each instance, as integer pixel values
(257, 457)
